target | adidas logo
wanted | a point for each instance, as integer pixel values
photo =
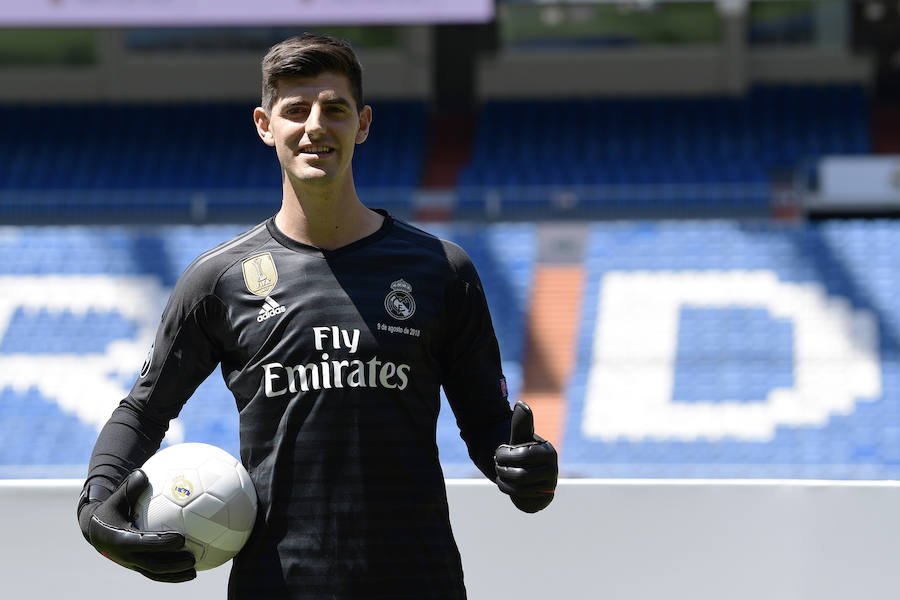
(270, 309)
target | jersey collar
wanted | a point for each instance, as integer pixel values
(296, 246)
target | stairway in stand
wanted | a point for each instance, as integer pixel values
(552, 328)
(886, 129)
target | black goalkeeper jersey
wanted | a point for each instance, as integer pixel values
(335, 359)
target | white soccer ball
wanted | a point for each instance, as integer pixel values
(203, 492)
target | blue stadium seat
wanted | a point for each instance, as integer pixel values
(812, 304)
(667, 141)
(161, 156)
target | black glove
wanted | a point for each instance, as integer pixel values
(107, 524)
(526, 467)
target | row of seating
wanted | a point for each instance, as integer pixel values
(648, 141)
(174, 147)
(726, 349)
(205, 160)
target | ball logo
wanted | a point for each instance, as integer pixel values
(182, 489)
(399, 302)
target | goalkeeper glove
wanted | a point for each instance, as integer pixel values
(106, 522)
(526, 467)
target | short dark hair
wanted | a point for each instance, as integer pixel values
(309, 55)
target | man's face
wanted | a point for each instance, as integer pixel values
(314, 126)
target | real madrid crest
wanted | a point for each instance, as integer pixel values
(260, 274)
(399, 302)
(182, 488)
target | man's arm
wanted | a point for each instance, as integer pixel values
(502, 444)
(186, 350)
(472, 376)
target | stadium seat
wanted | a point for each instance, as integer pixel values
(722, 349)
(664, 142)
(101, 161)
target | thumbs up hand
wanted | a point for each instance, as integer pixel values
(526, 467)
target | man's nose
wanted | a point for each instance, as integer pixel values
(314, 120)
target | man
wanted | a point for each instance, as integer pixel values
(335, 327)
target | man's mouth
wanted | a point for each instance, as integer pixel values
(318, 150)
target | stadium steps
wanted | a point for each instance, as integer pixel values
(549, 345)
(886, 129)
(449, 149)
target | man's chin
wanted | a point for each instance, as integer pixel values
(313, 176)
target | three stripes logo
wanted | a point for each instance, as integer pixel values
(270, 309)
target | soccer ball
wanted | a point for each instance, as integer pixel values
(203, 492)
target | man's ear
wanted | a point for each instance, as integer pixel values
(263, 126)
(365, 121)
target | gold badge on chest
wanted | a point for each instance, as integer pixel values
(260, 274)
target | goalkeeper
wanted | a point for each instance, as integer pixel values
(335, 327)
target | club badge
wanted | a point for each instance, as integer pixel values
(399, 302)
(260, 274)
(182, 488)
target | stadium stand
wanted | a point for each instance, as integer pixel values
(113, 162)
(673, 148)
(718, 326)
(763, 350)
(80, 307)
(770, 350)
(101, 162)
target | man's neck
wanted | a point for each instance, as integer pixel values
(325, 218)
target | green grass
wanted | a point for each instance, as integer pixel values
(677, 23)
(34, 47)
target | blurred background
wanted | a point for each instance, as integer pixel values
(683, 212)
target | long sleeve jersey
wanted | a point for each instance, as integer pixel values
(335, 360)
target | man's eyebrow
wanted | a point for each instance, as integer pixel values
(292, 103)
(337, 100)
(303, 102)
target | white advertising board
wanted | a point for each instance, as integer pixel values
(192, 13)
(616, 539)
(860, 180)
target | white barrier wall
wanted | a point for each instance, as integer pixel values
(618, 540)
